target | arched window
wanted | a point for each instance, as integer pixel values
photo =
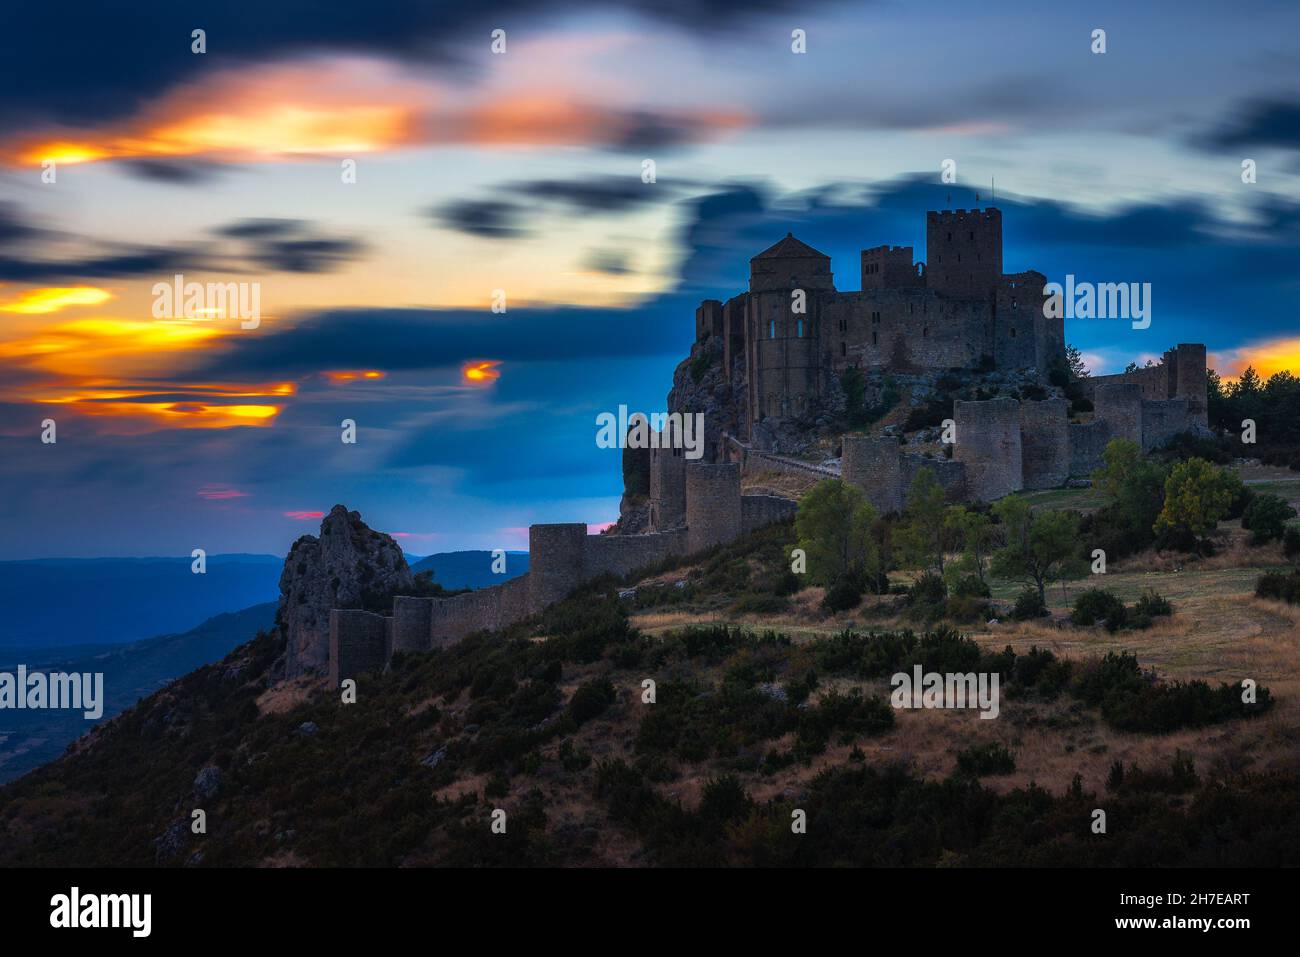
(771, 329)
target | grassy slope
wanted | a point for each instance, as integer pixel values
(709, 774)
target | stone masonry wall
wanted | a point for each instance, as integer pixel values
(1045, 443)
(988, 441)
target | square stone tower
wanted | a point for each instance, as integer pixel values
(963, 252)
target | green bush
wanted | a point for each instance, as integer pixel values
(981, 759)
(1096, 605)
(1266, 517)
(846, 593)
(1029, 605)
(1282, 586)
(1153, 605)
(591, 699)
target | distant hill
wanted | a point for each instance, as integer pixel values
(472, 569)
(131, 672)
(63, 602)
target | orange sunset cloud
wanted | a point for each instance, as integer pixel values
(1268, 357)
(349, 106)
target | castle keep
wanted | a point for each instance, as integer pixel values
(957, 310)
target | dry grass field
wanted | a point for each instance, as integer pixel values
(1219, 632)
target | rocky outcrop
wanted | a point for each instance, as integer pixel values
(700, 385)
(349, 566)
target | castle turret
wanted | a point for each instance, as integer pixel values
(963, 252)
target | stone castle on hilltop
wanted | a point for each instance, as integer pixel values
(958, 310)
(766, 366)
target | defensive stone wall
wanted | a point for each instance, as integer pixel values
(759, 510)
(1119, 405)
(1045, 443)
(621, 554)
(359, 643)
(874, 465)
(988, 441)
(1087, 442)
(1162, 420)
(950, 474)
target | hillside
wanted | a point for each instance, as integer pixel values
(30, 738)
(761, 709)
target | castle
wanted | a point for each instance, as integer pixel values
(784, 345)
(793, 330)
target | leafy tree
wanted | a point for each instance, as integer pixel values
(1197, 495)
(1134, 483)
(925, 531)
(974, 534)
(833, 525)
(1039, 547)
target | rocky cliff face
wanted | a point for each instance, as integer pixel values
(700, 385)
(349, 566)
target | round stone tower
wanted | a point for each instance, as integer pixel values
(1045, 442)
(412, 624)
(712, 504)
(988, 442)
(556, 562)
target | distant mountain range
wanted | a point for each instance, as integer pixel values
(78, 604)
(131, 672)
(69, 602)
(472, 569)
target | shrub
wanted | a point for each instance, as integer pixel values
(929, 589)
(757, 603)
(1096, 605)
(1291, 541)
(846, 593)
(1153, 605)
(591, 699)
(1282, 586)
(1029, 605)
(1266, 516)
(991, 758)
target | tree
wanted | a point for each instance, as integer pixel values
(1197, 495)
(1074, 359)
(1039, 547)
(1134, 483)
(833, 525)
(924, 532)
(974, 534)
(1266, 516)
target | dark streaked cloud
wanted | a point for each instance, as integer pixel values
(1260, 122)
(174, 172)
(117, 57)
(286, 245)
(485, 218)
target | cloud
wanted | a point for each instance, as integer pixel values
(1258, 123)
(179, 172)
(263, 245)
(485, 218)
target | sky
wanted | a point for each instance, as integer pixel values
(382, 177)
